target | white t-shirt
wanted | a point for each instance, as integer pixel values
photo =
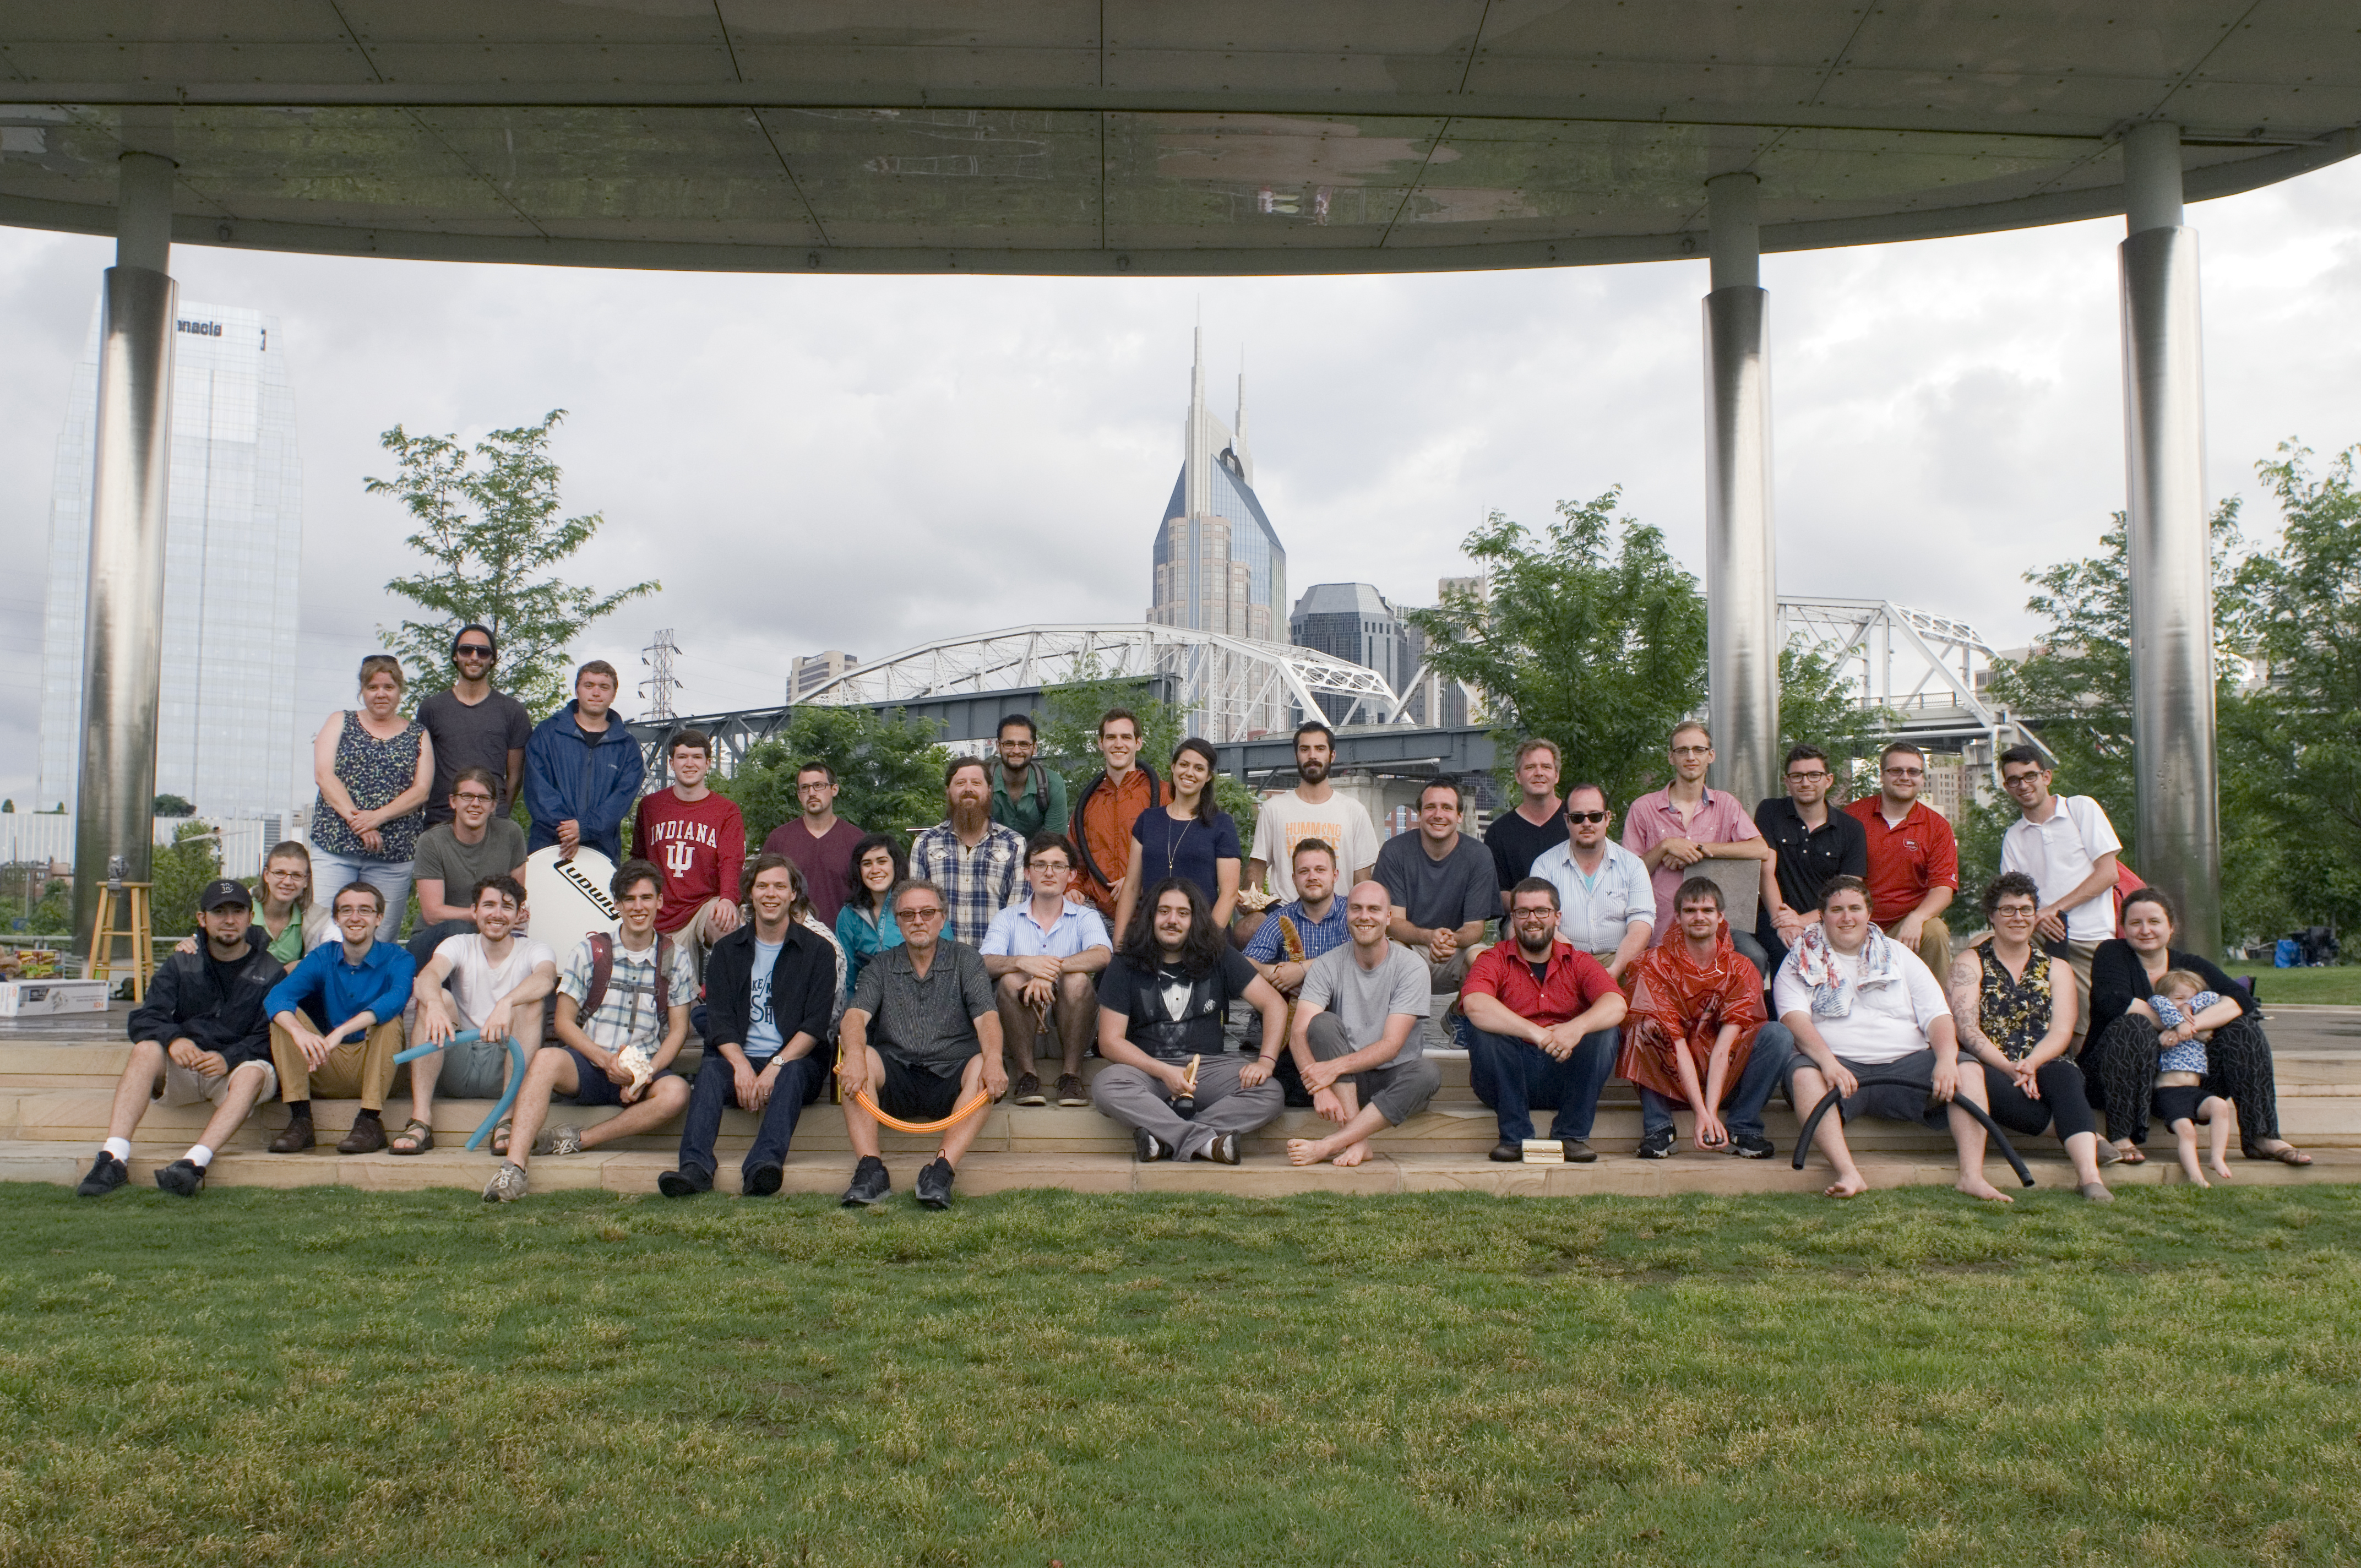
(1286, 820)
(2058, 854)
(475, 985)
(1888, 1020)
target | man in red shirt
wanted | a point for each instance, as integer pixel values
(698, 840)
(819, 843)
(1913, 858)
(1108, 807)
(1543, 1014)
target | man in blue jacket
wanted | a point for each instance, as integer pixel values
(582, 769)
(335, 1023)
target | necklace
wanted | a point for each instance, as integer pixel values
(1172, 845)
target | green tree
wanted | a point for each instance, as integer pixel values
(889, 771)
(488, 523)
(175, 806)
(54, 916)
(182, 871)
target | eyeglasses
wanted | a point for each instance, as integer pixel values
(472, 797)
(2014, 912)
(1818, 776)
(934, 913)
(2010, 780)
(1049, 865)
(1691, 750)
(1581, 817)
(813, 788)
(1906, 773)
(471, 651)
(1543, 914)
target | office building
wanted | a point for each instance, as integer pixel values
(812, 671)
(1218, 564)
(234, 546)
(1354, 622)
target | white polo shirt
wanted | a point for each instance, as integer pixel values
(2058, 854)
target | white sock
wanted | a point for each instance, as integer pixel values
(119, 1147)
(200, 1157)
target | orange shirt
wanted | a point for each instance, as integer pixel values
(1101, 823)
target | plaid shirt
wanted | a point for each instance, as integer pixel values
(627, 1014)
(977, 884)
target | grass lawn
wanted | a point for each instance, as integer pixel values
(2340, 984)
(335, 1376)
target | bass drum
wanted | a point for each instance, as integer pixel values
(567, 900)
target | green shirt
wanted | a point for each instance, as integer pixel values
(1039, 809)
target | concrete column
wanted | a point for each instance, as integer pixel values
(1742, 592)
(2169, 549)
(124, 616)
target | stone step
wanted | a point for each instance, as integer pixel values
(1259, 1176)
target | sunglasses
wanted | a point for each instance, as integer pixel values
(471, 651)
(1585, 817)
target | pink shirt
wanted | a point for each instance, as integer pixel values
(1719, 819)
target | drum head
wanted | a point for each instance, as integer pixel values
(567, 900)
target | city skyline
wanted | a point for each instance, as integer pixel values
(1217, 564)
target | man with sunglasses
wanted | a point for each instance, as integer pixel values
(1814, 844)
(472, 726)
(1913, 858)
(1607, 904)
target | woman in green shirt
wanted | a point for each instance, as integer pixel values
(286, 920)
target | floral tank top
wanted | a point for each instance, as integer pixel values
(373, 772)
(2014, 1014)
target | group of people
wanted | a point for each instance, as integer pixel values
(1021, 930)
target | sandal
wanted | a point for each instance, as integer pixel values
(501, 1136)
(2286, 1154)
(2131, 1156)
(417, 1135)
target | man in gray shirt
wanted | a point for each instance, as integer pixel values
(1355, 1039)
(930, 1005)
(452, 857)
(1442, 884)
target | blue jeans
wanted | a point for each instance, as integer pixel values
(1516, 1078)
(331, 874)
(717, 1087)
(1767, 1068)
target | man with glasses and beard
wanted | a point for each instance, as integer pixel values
(1812, 843)
(976, 861)
(472, 726)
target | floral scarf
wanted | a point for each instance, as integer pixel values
(1832, 989)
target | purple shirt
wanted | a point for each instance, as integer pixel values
(1720, 819)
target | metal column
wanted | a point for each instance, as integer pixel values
(122, 625)
(1742, 594)
(2169, 545)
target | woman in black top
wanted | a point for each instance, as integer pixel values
(2119, 1062)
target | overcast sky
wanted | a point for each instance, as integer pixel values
(865, 463)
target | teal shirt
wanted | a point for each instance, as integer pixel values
(862, 940)
(1040, 807)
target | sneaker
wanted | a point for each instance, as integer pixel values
(683, 1183)
(558, 1140)
(1072, 1091)
(106, 1174)
(933, 1187)
(870, 1183)
(182, 1177)
(764, 1180)
(507, 1185)
(1655, 1145)
(1752, 1145)
(1578, 1152)
(1508, 1151)
(1222, 1150)
(1029, 1091)
(1148, 1148)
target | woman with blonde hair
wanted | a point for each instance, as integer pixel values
(288, 920)
(374, 768)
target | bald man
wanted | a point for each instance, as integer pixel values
(1356, 1034)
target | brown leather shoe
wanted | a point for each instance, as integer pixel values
(296, 1139)
(368, 1136)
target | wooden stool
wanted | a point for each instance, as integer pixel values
(105, 933)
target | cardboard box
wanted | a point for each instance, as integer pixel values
(39, 998)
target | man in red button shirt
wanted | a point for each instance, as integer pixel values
(1543, 1016)
(697, 839)
(1913, 858)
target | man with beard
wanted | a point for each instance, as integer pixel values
(1312, 809)
(1696, 1036)
(1161, 1004)
(1544, 1016)
(1355, 1039)
(975, 861)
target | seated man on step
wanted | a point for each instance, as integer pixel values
(1861, 1005)
(922, 1036)
(620, 1019)
(1162, 1006)
(335, 1023)
(202, 1034)
(1697, 1036)
(1044, 953)
(490, 980)
(1542, 1015)
(1356, 1035)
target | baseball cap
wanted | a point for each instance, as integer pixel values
(223, 891)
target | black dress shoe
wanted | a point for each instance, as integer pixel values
(1148, 1148)
(683, 1183)
(870, 1183)
(106, 1174)
(1222, 1150)
(764, 1180)
(184, 1177)
(296, 1139)
(933, 1187)
(1508, 1151)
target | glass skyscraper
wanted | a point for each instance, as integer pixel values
(225, 737)
(1219, 565)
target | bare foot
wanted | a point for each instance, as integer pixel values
(1976, 1187)
(2221, 1168)
(1305, 1151)
(1354, 1154)
(1845, 1187)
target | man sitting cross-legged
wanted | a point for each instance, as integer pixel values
(769, 989)
(201, 1033)
(1163, 1002)
(1861, 1005)
(620, 1018)
(335, 1023)
(922, 1036)
(490, 980)
(1543, 1016)
(1356, 1035)
(1696, 1035)
(1044, 955)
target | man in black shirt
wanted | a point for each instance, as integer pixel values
(1813, 841)
(473, 726)
(1161, 1003)
(1517, 838)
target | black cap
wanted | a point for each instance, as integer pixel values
(223, 891)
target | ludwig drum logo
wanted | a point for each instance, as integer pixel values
(590, 890)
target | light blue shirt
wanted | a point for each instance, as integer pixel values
(1593, 912)
(763, 1042)
(1014, 934)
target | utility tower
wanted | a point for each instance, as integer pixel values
(658, 687)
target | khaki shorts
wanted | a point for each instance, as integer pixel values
(182, 1087)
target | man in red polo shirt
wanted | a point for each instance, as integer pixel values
(1913, 858)
(1543, 1016)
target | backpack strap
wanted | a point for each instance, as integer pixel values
(664, 982)
(602, 969)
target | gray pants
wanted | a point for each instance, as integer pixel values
(1400, 1090)
(1136, 1099)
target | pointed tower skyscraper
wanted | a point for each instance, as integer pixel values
(1218, 564)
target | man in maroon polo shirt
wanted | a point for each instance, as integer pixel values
(1913, 858)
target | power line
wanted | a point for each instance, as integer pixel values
(661, 682)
